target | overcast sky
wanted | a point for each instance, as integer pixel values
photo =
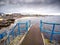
(28, 1)
(30, 6)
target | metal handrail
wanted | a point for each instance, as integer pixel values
(49, 23)
(47, 31)
(11, 32)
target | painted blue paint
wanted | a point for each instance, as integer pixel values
(41, 25)
(26, 26)
(1, 36)
(18, 28)
(50, 23)
(8, 39)
(56, 32)
(47, 31)
(11, 32)
(51, 37)
(14, 27)
(22, 28)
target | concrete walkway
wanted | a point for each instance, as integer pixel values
(33, 37)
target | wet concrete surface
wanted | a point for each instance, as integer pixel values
(33, 37)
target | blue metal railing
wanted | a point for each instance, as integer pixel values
(47, 31)
(12, 31)
(3, 34)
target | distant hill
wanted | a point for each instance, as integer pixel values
(1, 14)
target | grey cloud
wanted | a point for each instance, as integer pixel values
(55, 4)
(1, 0)
(30, 1)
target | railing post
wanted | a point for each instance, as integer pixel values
(41, 25)
(5, 41)
(13, 31)
(8, 39)
(26, 26)
(51, 37)
(18, 28)
(13, 34)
